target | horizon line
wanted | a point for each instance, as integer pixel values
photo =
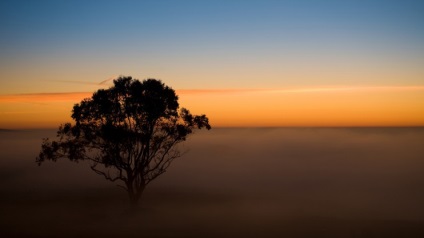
(253, 127)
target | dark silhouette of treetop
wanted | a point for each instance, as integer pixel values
(128, 132)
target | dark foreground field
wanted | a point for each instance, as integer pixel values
(363, 182)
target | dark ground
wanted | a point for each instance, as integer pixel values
(286, 182)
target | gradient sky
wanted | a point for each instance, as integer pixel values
(243, 63)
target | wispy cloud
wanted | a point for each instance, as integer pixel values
(111, 78)
(45, 97)
(19, 112)
(351, 89)
(77, 96)
(217, 91)
(304, 90)
(101, 83)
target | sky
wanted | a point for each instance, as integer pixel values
(242, 63)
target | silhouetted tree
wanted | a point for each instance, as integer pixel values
(129, 132)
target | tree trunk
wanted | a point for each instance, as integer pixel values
(134, 196)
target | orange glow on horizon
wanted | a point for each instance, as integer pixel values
(329, 106)
(45, 97)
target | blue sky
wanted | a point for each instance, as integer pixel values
(170, 36)
(164, 38)
(362, 58)
(374, 48)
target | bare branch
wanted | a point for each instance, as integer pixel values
(106, 175)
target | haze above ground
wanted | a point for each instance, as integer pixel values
(242, 63)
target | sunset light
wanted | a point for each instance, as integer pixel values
(254, 63)
(319, 106)
(212, 118)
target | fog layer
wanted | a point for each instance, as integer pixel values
(299, 182)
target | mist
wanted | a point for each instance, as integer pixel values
(231, 182)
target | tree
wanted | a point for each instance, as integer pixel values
(129, 133)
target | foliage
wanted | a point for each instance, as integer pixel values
(129, 132)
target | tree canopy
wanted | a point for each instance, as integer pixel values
(130, 133)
